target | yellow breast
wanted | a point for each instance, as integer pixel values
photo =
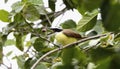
(63, 39)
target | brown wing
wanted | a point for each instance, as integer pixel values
(71, 33)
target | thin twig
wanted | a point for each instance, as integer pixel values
(47, 40)
(59, 20)
(56, 14)
(28, 49)
(66, 46)
(88, 48)
(36, 33)
(6, 66)
(48, 19)
(9, 67)
(117, 35)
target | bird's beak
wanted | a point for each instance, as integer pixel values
(56, 29)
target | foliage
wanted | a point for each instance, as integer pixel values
(4, 16)
(103, 53)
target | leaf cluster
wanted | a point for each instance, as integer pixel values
(30, 18)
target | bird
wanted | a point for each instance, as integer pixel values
(66, 36)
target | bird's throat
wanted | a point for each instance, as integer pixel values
(63, 39)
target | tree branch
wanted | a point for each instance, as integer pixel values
(66, 46)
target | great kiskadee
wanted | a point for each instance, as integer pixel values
(66, 36)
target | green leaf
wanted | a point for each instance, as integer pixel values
(36, 2)
(99, 54)
(115, 63)
(41, 66)
(52, 4)
(1, 52)
(4, 16)
(69, 4)
(68, 24)
(31, 13)
(3, 39)
(99, 27)
(104, 64)
(84, 44)
(9, 53)
(80, 57)
(17, 7)
(27, 64)
(88, 5)
(1, 48)
(68, 55)
(110, 15)
(18, 18)
(88, 21)
(20, 61)
(76, 2)
(52, 38)
(92, 33)
(92, 4)
(57, 65)
(39, 44)
(28, 43)
(10, 42)
(41, 10)
(104, 9)
(110, 62)
(24, 1)
(19, 41)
